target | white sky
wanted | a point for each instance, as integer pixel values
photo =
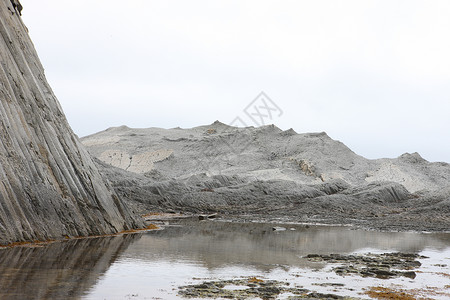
(372, 74)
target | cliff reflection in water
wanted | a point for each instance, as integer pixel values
(62, 270)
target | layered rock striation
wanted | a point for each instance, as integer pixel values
(49, 185)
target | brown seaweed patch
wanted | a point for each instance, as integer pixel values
(402, 294)
(37, 243)
(382, 293)
(255, 280)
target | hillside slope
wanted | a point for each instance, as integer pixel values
(263, 153)
(266, 173)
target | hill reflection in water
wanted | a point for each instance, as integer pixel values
(219, 244)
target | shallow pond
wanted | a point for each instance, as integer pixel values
(153, 265)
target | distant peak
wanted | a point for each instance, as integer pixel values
(318, 134)
(289, 132)
(118, 128)
(270, 128)
(217, 125)
(217, 122)
(412, 157)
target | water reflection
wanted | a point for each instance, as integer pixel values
(62, 270)
(156, 262)
(217, 244)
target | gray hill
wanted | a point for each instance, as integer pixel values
(263, 153)
(49, 186)
(268, 172)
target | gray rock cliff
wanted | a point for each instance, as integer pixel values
(49, 185)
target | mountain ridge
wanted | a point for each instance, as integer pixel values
(226, 149)
(265, 174)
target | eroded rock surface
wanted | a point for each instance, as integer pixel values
(252, 288)
(384, 266)
(49, 185)
(270, 173)
(263, 153)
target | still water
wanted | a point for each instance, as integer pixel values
(154, 264)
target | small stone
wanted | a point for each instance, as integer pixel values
(411, 274)
(277, 228)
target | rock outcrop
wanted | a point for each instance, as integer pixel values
(263, 153)
(49, 185)
(269, 173)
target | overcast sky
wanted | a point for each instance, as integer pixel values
(372, 74)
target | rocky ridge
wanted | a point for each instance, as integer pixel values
(263, 153)
(268, 172)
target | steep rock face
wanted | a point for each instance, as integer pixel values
(49, 185)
